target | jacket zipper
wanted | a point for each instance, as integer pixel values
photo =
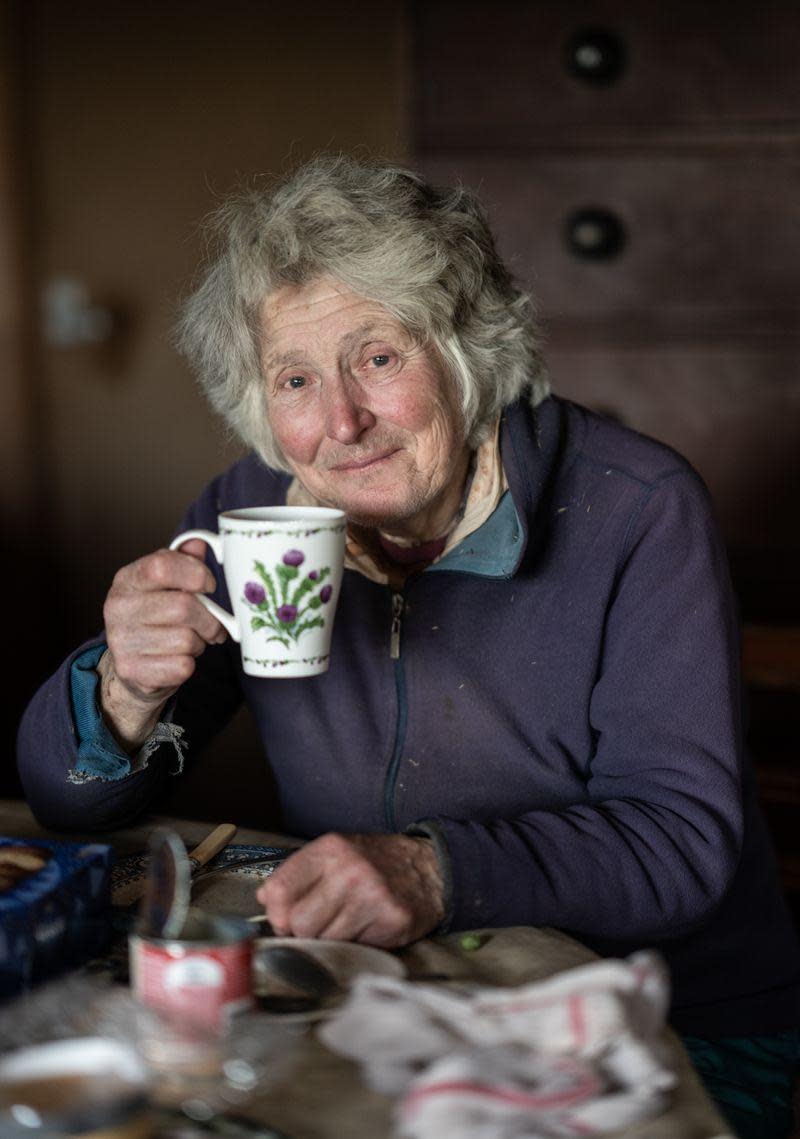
(398, 604)
(398, 607)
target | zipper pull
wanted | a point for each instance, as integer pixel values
(397, 616)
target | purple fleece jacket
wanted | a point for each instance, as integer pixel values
(564, 717)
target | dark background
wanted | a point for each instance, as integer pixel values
(640, 163)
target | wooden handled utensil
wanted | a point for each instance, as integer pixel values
(212, 844)
(205, 850)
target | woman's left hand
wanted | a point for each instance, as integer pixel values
(383, 890)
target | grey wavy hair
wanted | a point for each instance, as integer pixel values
(425, 253)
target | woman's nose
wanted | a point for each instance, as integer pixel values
(347, 415)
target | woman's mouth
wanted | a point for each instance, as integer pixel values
(353, 466)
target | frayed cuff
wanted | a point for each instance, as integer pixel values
(99, 761)
(164, 733)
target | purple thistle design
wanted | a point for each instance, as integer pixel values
(286, 613)
(294, 558)
(254, 592)
(325, 593)
(313, 575)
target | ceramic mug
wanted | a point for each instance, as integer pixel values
(283, 567)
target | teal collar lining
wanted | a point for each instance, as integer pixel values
(493, 550)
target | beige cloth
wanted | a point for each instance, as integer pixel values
(513, 956)
(579, 1053)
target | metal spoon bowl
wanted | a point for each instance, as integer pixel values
(294, 967)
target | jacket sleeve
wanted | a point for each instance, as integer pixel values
(73, 775)
(654, 846)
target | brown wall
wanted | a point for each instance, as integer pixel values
(129, 121)
(143, 116)
(14, 486)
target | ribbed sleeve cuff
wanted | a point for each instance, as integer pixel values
(427, 828)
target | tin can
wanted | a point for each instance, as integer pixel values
(203, 976)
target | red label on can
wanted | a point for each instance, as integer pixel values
(203, 983)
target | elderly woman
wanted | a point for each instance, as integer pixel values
(532, 715)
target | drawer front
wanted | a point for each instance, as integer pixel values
(706, 242)
(735, 414)
(516, 73)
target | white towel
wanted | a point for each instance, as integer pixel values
(580, 1054)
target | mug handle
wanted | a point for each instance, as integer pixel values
(215, 542)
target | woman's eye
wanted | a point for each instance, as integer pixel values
(294, 383)
(379, 357)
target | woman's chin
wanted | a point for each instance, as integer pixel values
(378, 512)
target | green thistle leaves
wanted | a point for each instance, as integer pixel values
(305, 586)
(268, 582)
(312, 623)
(277, 606)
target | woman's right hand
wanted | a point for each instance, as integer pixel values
(155, 630)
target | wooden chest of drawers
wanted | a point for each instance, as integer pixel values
(641, 165)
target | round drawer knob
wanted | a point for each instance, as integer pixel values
(595, 55)
(595, 234)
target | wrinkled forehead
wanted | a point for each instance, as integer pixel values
(323, 312)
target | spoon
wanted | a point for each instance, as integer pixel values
(284, 1004)
(165, 901)
(312, 980)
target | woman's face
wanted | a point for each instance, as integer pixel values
(367, 420)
